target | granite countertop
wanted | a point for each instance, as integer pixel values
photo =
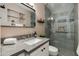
(8, 50)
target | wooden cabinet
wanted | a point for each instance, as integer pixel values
(41, 51)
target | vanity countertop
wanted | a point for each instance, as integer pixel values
(8, 50)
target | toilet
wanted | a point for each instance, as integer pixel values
(78, 50)
(53, 51)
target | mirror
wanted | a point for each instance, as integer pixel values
(17, 15)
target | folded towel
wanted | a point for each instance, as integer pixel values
(10, 41)
(19, 24)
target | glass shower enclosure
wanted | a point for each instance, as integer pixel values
(61, 32)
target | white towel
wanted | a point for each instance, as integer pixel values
(10, 41)
(19, 24)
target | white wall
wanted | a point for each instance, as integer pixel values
(40, 13)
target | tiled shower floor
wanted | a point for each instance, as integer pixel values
(66, 52)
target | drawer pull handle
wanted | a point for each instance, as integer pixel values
(0, 17)
(42, 50)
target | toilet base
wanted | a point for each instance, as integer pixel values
(53, 51)
(53, 54)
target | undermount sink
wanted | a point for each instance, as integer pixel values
(33, 41)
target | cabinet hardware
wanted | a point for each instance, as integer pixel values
(42, 50)
(0, 17)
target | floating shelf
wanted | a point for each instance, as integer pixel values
(39, 21)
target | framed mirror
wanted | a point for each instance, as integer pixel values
(17, 15)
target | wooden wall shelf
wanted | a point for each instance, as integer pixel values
(39, 21)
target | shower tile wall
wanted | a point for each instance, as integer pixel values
(47, 23)
(64, 39)
(65, 19)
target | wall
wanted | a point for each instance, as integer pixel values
(15, 31)
(76, 7)
(40, 13)
(47, 22)
(78, 24)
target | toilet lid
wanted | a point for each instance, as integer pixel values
(52, 48)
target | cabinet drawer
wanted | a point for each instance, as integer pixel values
(41, 51)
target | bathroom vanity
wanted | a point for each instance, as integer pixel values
(21, 48)
(42, 50)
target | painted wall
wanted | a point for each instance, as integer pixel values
(40, 13)
(15, 31)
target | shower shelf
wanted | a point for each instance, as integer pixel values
(61, 32)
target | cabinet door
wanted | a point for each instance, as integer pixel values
(45, 49)
(41, 51)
